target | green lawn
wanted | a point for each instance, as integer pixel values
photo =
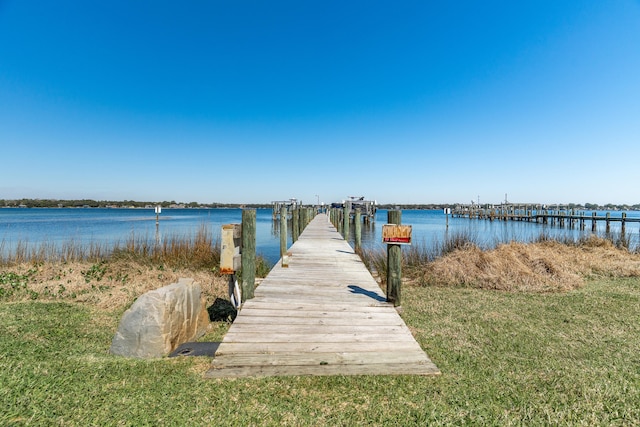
(506, 359)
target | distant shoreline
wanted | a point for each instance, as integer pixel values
(75, 204)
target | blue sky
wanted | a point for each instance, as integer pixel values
(253, 101)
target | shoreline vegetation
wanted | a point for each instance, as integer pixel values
(131, 204)
(543, 265)
(535, 333)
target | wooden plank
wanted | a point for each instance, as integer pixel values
(350, 344)
(271, 328)
(319, 358)
(320, 311)
(328, 307)
(362, 337)
(359, 320)
(298, 298)
(320, 370)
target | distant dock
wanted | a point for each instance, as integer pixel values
(569, 218)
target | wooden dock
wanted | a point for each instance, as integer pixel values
(324, 314)
(538, 214)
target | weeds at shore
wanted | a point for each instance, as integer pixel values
(176, 251)
(545, 265)
(112, 279)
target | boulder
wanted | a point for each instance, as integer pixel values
(160, 320)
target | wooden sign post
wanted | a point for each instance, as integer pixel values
(230, 259)
(395, 235)
(248, 253)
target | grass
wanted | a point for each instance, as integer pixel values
(506, 358)
(567, 357)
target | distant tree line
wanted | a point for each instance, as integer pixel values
(55, 203)
(90, 203)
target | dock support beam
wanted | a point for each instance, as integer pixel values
(358, 229)
(345, 218)
(248, 253)
(394, 263)
(283, 231)
(294, 225)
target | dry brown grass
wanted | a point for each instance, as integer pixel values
(110, 278)
(195, 251)
(548, 266)
(110, 285)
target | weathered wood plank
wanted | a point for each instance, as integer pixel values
(363, 337)
(270, 328)
(320, 370)
(326, 306)
(349, 344)
(361, 320)
(320, 311)
(319, 358)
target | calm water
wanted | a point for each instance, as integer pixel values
(110, 226)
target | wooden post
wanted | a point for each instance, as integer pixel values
(593, 222)
(294, 225)
(300, 220)
(248, 253)
(394, 263)
(608, 229)
(301, 213)
(623, 227)
(283, 231)
(345, 219)
(358, 225)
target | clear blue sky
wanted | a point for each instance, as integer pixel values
(253, 101)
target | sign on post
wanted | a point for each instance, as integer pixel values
(230, 243)
(230, 258)
(394, 234)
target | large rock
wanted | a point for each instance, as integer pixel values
(160, 320)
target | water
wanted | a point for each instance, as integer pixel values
(110, 226)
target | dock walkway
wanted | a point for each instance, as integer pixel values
(323, 315)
